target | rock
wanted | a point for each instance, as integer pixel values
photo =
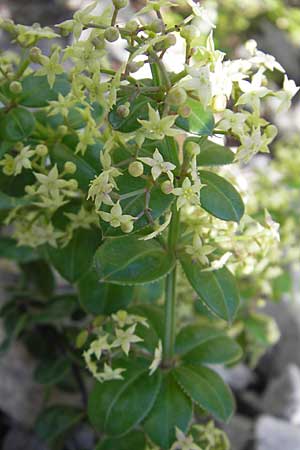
(20, 439)
(275, 434)
(238, 377)
(282, 397)
(239, 431)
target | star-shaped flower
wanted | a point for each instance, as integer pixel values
(125, 338)
(158, 127)
(158, 165)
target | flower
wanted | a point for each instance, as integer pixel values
(83, 219)
(187, 194)
(198, 80)
(99, 190)
(123, 318)
(50, 67)
(22, 160)
(125, 338)
(50, 184)
(158, 165)
(184, 442)
(233, 121)
(110, 374)
(157, 359)
(286, 94)
(252, 92)
(255, 142)
(117, 219)
(218, 263)
(198, 251)
(157, 127)
(99, 345)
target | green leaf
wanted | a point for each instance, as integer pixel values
(50, 372)
(132, 441)
(57, 308)
(220, 198)
(57, 420)
(10, 250)
(37, 92)
(7, 202)
(206, 345)
(127, 260)
(200, 121)
(138, 110)
(135, 191)
(115, 407)
(171, 409)
(216, 288)
(74, 260)
(86, 171)
(102, 298)
(211, 154)
(207, 389)
(16, 124)
(155, 318)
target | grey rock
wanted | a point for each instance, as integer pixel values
(282, 397)
(239, 431)
(238, 377)
(276, 434)
(19, 439)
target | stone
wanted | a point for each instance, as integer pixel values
(282, 396)
(239, 431)
(239, 377)
(275, 434)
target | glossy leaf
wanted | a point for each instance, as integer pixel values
(138, 110)
(155, 318)
(171, 409)
(16, 124)
(217, 288)
(207, 345)
(211, 154)
(56, 309)
(131, 441)
(57, 420)
(7, 202)
(207, 389)
(10, 250)
(220, 198)
(115, 407)
(200, 121)
(127, 260)
(74, 260)
(102, 298)
(37, 93)
(50, 372)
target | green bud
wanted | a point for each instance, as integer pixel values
(189, 32)
(73, 184)
(127, 227)
(177, 96)
(134, 66)
(81, 338)
(123, 111)
(41, 150)
(70, 167)
(98, 321)
(156, 26)
(119, 4)
(169, 40)
(167, 187)
(111, 34)
(19, 146)
(136, 169)
(62, 130)
(131, 26)
(35, 54)
(15, 87)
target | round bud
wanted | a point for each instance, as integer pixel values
(111, 34)
(41, 150)
(73, 184)
(177, 96)
(184, 111)
(35, 54)
(19, 146)
(156, 26)
(123, 111)
(271, 131)
(119, 4)
(219, 103)
(70, 167)
(29, 190)
(134, 66)
(81, 338)
(62, 130)
(136, 169)
(167, 187)
(98, 43)
(192, 148)
(131, 26)
(189, 32)
(127, 227)
(15, 87)
(170, 40)
(98, 321)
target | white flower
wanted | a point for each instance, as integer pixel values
(233, 121)
(187, 194)
(198, 80)
(125, 338)
(158, 165)
(198, 251)
(99, 345)
(99, 190)
(110, 374)
(22, 160)
(184, 442)
(50, 184)
(218, 263)
(116, 218)
(123, 318)
(157, 127)
(286, 94)
(201, 12)
(157, 359)
(253, 91)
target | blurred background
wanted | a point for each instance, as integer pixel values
(267, 383)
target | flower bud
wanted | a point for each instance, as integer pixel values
(219, 103)
(167, 187)
(29, 189)
(189, 32)
(134, 66)
(127, 227)
(81, 338)
(73, 184)
(192, 148)
(119, 4)
(70, 167)
(169, 40)
(15, 87)
(156, 26)
(123, 111)
(111, 34)
(177, 96)
(131, 26)
(18, 146)
(35, 54)
(41, 150)
(136, 169)
(184, 111)
(62, 130)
